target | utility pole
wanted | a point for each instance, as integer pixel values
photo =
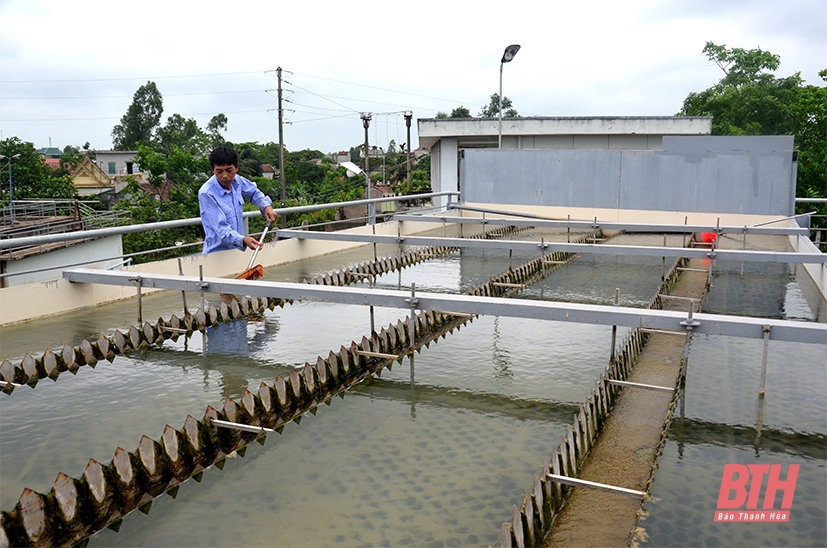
(366, 123)
(282, 171)
(408, 116)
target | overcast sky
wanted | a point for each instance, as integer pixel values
(68, 70)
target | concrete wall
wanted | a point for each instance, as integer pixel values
(40, 299)
(749, 175)
(99, 253)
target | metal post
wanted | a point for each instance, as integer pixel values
(408, 116)
(663, 262)
(137, 280)
(685, 221)
(183, 293)
(744, 248)
(690, 323)
(282, 170)
(366, 123)
(201, 279)
(594, 236)
(500, 132)
(412, 325)
(614, 329)
(568, 231)
(767, 329)
(543, 256)
(483, 225)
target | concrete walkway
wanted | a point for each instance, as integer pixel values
(625, 451)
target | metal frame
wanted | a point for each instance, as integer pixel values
(602, 249)
(591, 225)
(131, 229)
(667, 320)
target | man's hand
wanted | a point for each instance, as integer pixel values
(252, 243)
(270, 214)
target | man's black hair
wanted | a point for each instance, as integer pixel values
(223, 156)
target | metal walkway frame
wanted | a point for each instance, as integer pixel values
(707, 324)
(601, 249)
(605, 225)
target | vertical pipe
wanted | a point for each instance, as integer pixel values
(140, 306)
(594, 236)
(183, 293)
(408, 115)
(685, 221)
(663, 262)
(613, 356)
(201, 278)
(412, 324)
(690, 322)
(372, 324)
(483, 225)
(568, 231)
(767, 329)
(744, 248)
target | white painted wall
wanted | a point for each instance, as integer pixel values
(101, 253)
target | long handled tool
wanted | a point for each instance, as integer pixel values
(255, 272)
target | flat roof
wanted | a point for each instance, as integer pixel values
(432, 130)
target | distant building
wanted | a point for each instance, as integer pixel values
(50, 152)
(268, 171)
(117, 162)
(342, 156)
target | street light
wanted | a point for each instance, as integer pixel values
(508, 55)
(11, 196)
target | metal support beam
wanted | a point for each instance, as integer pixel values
(668, 320)
(594, 485)
(533, 247)
(528, 219)
(640, 385)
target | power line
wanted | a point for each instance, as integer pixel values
(131, 78)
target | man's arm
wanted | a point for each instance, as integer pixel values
(251, 192)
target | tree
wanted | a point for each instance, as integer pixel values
(459, 112)
(216, 125)
(141, 119)
(750, 100)
(31, 177)
(493, 108)
(183, 134)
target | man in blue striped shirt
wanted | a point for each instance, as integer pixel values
(221, 199)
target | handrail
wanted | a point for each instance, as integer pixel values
(145, 227)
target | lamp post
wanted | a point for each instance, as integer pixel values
(11, 195)
(508, 55)
(366, 116)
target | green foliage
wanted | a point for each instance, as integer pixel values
(215, 126)
(461, 112)
(749, 100)
(493, 108)
(183, 134)
(141, 119)
(31, 177)
(146, 208)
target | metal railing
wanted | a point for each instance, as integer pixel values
(145, 227)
